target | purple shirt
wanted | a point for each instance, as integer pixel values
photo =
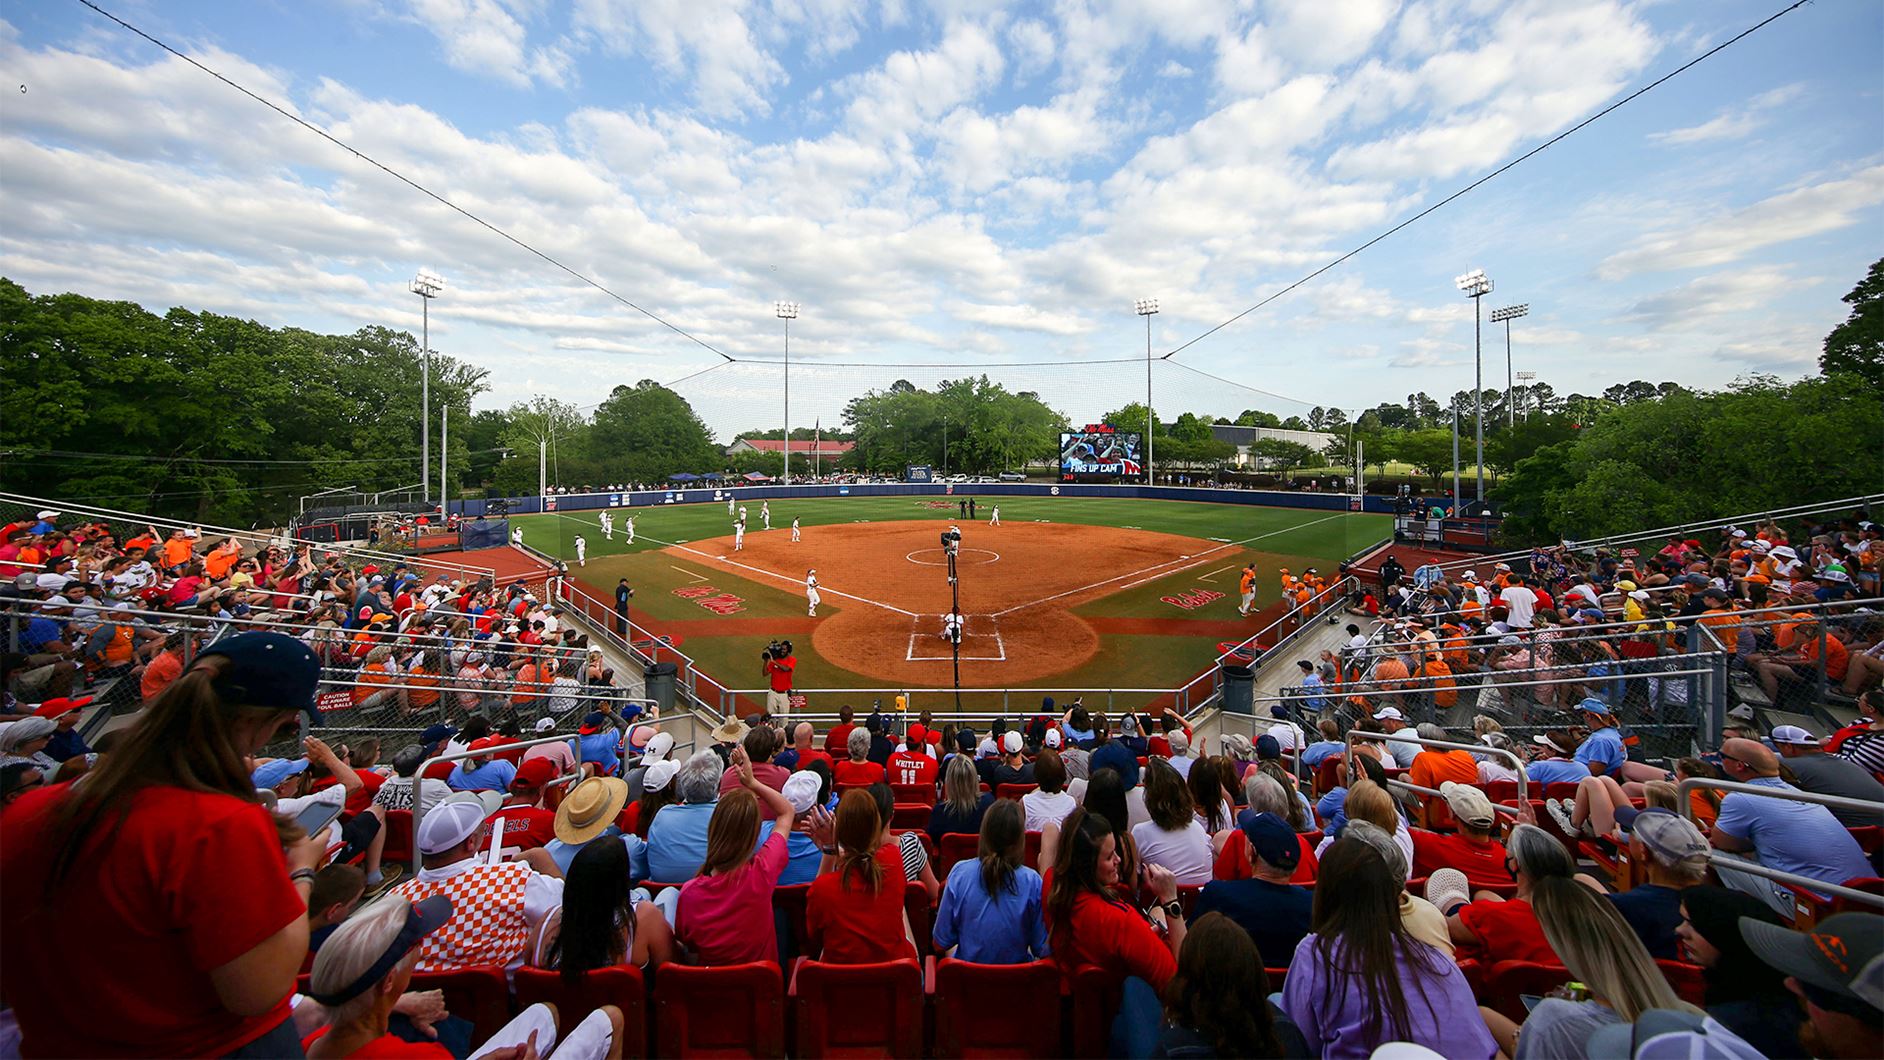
(1332, 1010)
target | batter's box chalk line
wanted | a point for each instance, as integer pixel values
(927, 644)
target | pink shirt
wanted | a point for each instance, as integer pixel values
(560, 753)
(727, 919)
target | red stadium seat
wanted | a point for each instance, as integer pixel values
(918, 793)
(621, 986)
(921, 913)
(1686, 979)
(844, 789)
(1507, 981)
(956, 846)
(439, 770)
(1325, 775)
(1014, 791)
(729, 1010)
(857, 1009)
(480, 994)
(910, 815)
(1869, 836)
(996, 1010)
(1809, 908)
(1502, 792)
(788, 902)
(1095, 999)
(398, 836)
(1277, 977)
(1030, 856)
(1562, 789)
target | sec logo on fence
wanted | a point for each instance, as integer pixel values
(1054, 490)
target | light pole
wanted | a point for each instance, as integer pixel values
(1147, 308)
(1525, 378)
(788, 312)
(1506, 316)
(1477, 285)
(426, 286)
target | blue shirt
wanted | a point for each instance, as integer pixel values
(1006, 927)
(1654, 912)
(1314, 753)
(602, 749)
(802, 859)
(494, 775)
(1079, 737)
(677, 841)
(1799, 837)
(1312, 696)
(1555, 771)
(565, 853)
(1276, 915)
(1603, 748)
(1115, 755)
(39, 632)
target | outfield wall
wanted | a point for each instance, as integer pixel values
(576, 502)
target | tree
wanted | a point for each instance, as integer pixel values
(1294, 423)
(1428, 450)
(1257, 418)
(647, 432)
(1856, 347)
(1281, 455)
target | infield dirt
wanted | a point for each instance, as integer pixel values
(885, 589)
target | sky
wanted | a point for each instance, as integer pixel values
(978, 186)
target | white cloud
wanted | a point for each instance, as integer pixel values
(1708, 298)
(1321, 35)
(1733, 123)
(706, 43)
(1782, 218)
(483, 37)
(1033, 45)
(1174, 69)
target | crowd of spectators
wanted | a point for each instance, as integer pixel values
(1229, 913)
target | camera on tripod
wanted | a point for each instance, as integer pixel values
(951, 540)
(778, 649)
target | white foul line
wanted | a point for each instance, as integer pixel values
(688, 573)
(1199, 558)
(1214, 573)
(799, 582)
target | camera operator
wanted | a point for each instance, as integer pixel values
(778, 663)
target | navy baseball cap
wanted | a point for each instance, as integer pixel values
(1268, 746)
(1271, 838)
(436, 734)
(267, 670)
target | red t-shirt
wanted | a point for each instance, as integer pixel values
(1482, 862)
(1112, 936)
(182, 884)
(525, 827)
(858, 926)
(837, 740)
(1507, 931)
(388, 1046)
(1233, 860)
(727, 919)
(848, 772)
(361, 797)
(810, 755)
(909, 767)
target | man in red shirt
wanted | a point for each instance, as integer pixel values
(838, 738)
(1473, 851)
(912, 763)
(528, 822)
(801, 754)
(778, 674)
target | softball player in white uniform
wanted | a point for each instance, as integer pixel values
(811, 591)
(739, 534)
(995, 519)
(629, 528)
(794, 528)
(582, 552)
(765, 514)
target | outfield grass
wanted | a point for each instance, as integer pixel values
(1272, 537)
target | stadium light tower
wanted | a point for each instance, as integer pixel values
(1477, 285)
(1507, 315)
(1525, 378)
(427, 286)
(788, 312)
(1147, 308)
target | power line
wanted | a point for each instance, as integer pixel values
(408, 181)
(1539, 149)
(71, 454)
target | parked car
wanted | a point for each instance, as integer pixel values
(1013, 476)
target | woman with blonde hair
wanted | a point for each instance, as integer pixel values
(1603, 953)
(1368, 801)
(962, 803)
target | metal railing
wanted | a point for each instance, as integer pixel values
(1840, 802)
(1445, 745)
(264, 540)
(418, 779)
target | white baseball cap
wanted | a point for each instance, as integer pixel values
(661, 774)
(1793, 734)
(659, 746)
(448, 824)
(801, 790)
(545, 724)
(48, 514)
(1053, 738)
(1011, 743)
(1389, 714)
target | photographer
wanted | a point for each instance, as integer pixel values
(778, 662)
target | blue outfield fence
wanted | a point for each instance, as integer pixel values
(578, 502)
